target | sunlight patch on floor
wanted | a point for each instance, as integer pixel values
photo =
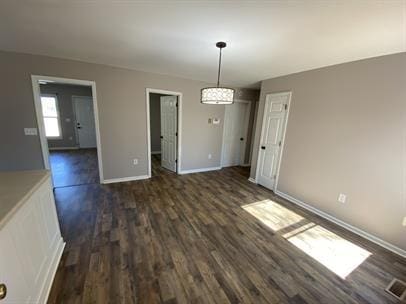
(272, 214)
(337, 254)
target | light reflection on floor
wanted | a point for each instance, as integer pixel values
(329, 249)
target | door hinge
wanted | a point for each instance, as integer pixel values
(176, 104)
(286, 106)
(176, 161)
(280, 143)
(176, 134)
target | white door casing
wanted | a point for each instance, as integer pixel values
(85, 125)
(272, 137)
(235, 133)
(169, 132)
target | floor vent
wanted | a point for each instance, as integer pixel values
(397, 288)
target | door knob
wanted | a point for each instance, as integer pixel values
(3, 291)
(241, 139)
(161, 136)
(263, 147)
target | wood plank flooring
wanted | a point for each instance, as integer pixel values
(74, 167)
(203, 238)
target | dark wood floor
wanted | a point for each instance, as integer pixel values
(207, 238)
(74, 167)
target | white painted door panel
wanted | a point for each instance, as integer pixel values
(169, 132)
(271, 138)
(235, 128)
(85, 124)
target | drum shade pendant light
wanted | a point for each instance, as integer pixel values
(218, 95)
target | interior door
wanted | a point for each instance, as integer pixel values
(271, 138)
(235, 132)
(169, 132)
(85, 125)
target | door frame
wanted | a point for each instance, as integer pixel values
(179, 126)
(35, 79)
(74, 115)
(267, 97)
(246, 125)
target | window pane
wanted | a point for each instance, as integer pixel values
(49, 106)
(51, 127)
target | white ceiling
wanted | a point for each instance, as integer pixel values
(265, 38)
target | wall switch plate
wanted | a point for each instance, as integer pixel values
(31, 131)
(404, 221)
(135, 161)
(209, 156)
(342, 198)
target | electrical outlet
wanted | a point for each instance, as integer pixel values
(404, 221)
(135, 161)
(209, 156)
(342, 198)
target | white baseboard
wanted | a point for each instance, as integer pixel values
(46, 289)
(199, 170)
(156, 152)
(246, 165)
(343, 224)
(125, 179)
(63, 148)
(252, 180)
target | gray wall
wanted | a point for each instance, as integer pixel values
(155, 121)
(347, 134)
(122, 113)
(64, 94)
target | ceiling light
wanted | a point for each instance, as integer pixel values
(218, 95)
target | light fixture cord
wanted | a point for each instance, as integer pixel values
(218, 75)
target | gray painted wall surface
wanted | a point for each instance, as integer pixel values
(347, 134)
(122, 113)
(64, 95)
(155, 121)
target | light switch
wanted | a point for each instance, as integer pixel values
(31, 131)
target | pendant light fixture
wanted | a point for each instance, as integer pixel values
(218, 95)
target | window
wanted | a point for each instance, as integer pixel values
(50, 112)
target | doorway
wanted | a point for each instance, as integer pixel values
(164, 131)
(68, 128)
(235, 134)
(272, 138)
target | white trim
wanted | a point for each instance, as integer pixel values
(179, 139)
(245, 165)
(283, 135)
(125, 179)
(37, 103)
(252, 180)
(155, 152)
(343, 224)
(246, 125)
(62, 148)
(52, 271)
(199, 170)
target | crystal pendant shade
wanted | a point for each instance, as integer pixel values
(216, 95)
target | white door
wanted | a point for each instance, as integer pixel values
(85, 125)
(273, 126)
(169, 132)
(235, 134)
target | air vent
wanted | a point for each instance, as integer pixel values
(397, 288)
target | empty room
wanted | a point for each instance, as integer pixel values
(203, 152)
